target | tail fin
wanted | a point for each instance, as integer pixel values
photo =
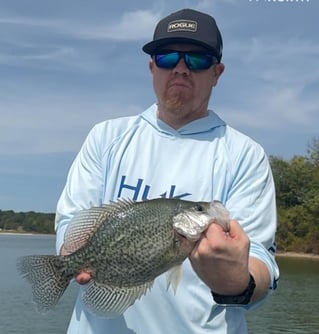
(47, 277)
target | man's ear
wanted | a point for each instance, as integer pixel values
(151, 64)
(218, 71)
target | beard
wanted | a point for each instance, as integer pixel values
(175, 101)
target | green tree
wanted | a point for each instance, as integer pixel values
(297, 195)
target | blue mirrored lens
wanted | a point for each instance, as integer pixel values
(198, 62)
(193, 60)
(167, 60)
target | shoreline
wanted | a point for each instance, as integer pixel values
(296, 254)
(278, 254)
(24, 233)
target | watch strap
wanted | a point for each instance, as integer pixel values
(243, 298)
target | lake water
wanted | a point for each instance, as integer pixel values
(293, 309)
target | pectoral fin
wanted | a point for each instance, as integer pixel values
(82, 226)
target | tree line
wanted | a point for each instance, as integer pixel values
(28, 222)
(297, 195)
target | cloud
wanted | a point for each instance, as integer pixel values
(274, 109)
(44, 126)
(70, 43)
(135, 25)
(283, 56)
(130, 26)
(62, 71)
(279, 82)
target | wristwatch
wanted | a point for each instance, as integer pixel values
(243, 298)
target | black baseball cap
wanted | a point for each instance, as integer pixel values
(187, 26)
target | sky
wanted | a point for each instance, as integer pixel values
(66, 65)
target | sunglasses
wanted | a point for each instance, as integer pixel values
(194, 60)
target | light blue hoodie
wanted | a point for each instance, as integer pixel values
(141, 158)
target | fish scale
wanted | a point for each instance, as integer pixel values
(125, 245)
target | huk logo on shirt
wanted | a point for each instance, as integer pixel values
(141, 190)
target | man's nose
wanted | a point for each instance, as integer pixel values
(181, 67)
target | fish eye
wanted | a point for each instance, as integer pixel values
(198, 207)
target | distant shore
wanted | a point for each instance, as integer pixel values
(278, 254)
(296, 254)
(23, 233)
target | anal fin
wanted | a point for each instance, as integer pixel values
(108, 301)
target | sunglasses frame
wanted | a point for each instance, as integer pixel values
(185, 55)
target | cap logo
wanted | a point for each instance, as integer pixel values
(182, 25)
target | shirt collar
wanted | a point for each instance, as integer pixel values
(204, 124)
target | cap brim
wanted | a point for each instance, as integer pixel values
(153, 46)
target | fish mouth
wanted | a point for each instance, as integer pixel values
(191, 225)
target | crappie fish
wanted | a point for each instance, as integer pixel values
(125, 245)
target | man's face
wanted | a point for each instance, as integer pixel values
(183, 92)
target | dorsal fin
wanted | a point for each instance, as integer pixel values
(120, 205)
(84, 223)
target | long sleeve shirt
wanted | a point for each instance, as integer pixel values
(140, 158)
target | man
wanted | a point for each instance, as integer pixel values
(179, 148)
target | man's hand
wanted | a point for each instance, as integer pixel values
(221, 259)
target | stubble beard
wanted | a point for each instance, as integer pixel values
(176, 102)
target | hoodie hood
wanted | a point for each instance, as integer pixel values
(198, 126)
